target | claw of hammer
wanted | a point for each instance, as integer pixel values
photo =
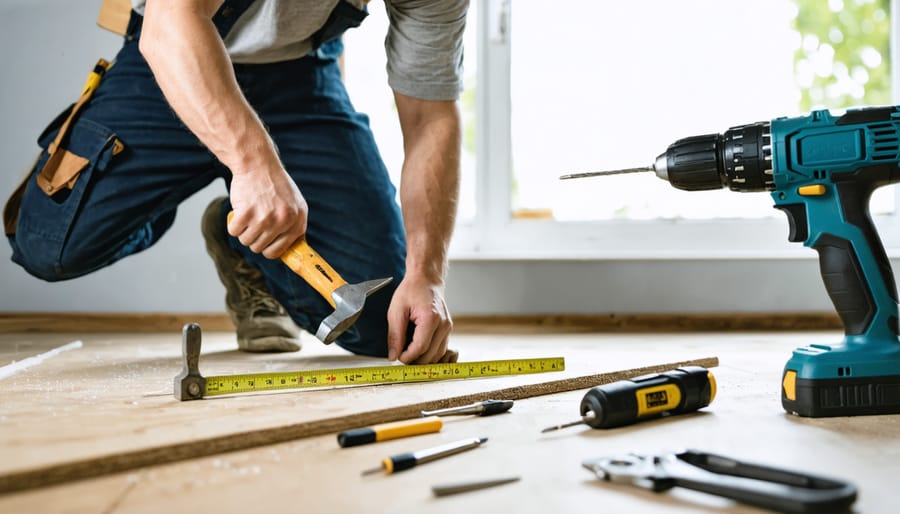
(349, 300)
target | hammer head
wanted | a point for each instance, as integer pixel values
(349, 300)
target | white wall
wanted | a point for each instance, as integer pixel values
(48, 46)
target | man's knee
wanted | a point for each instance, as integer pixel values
(39, 256)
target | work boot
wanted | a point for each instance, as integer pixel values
(263, 325)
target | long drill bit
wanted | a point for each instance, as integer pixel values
(607, 172)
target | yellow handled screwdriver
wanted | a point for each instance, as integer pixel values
(409, 460)
(94, 77)
(625, 402)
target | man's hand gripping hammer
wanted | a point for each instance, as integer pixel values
(347, 299)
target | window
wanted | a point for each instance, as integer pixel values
(613, 88)
(611, 84)
(366, 79)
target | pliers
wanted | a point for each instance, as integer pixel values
(767, 487)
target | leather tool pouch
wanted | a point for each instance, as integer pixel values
(344, 16)
(60, 168)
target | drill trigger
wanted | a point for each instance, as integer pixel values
(796, 216)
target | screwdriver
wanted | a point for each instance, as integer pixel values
(94, 77)
(485, 408)
(409, 460)
(625, 402)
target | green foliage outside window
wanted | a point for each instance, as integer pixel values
(844, 54)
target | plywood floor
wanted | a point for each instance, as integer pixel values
(114, 394)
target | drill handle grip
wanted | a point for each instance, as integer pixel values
(855, 268)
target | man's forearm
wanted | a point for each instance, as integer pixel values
(429, 187)
(192, 68)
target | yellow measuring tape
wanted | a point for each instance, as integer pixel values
(190, 384)
(369, 375)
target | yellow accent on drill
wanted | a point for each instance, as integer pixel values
(813, 190)
(789, 384)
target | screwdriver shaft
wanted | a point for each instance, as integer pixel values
(485, 408)
(588, 417)
(564, 425)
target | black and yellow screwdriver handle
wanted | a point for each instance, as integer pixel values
(393, 430)
(625, 402)
(94, 77)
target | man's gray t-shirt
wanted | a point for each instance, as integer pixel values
(423, 44)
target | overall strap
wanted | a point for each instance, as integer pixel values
(224, 19)
(228, 14)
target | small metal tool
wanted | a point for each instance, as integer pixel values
(474, 485)
(761, 486)
(485, 408)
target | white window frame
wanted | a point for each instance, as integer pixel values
(495, 235)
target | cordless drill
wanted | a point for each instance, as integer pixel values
(821, 171)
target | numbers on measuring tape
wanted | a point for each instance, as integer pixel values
(235, 384)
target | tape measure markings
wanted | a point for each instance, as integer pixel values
(368, 375)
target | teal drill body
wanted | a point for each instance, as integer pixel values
(821, 171)
(825, 169)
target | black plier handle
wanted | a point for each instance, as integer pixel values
(762, 486)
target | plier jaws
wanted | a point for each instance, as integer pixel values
(762, 486)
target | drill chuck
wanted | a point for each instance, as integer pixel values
(740, 159)
(692, 163)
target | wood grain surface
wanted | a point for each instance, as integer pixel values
(109, 406)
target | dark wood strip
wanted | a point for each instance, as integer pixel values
(471, 324)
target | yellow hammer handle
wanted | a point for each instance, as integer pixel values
(307, 263)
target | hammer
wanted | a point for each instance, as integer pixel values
(347, 299)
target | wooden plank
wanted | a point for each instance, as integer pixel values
(52, 322)
(105, 323)
(744, 422)
(200, 447)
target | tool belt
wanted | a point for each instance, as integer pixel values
(62, 167)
